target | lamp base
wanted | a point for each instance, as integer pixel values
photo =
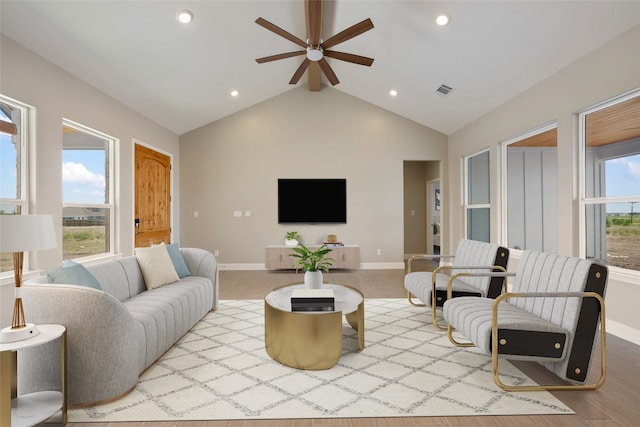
(10, 334)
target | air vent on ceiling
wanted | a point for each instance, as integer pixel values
(444, 90)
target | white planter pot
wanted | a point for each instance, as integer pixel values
(313, 279)
(291, 242)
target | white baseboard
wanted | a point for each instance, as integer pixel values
(623, 331)
(241, 267)
(363, 266)
(382, 265)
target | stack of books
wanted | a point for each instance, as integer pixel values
(312, 300)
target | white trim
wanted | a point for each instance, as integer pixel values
(382, 265)
(363, 266)
(628, 276)
(623, 331)
(241, 266)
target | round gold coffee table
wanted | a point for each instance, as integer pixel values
(310, 340)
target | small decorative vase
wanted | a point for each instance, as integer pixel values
(313, 279)
(291, 242)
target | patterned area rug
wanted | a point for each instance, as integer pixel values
(220, 370)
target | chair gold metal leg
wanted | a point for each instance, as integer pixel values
(495, 356)
(453, 340)
(434, 313)
(415, 304)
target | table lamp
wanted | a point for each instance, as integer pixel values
(19, 234)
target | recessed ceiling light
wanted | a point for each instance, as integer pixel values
(393, 92)
(442, 20)
(235, 93)
(185, 16)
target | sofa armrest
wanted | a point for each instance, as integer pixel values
(204, 264)
(105, 344)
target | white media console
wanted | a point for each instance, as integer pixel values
(276, 257)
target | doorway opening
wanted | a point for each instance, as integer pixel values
(423, 202)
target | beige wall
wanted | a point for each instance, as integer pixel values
(55, 94)
(234, 164)
(606, 72)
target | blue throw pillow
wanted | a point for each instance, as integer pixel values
(178, 260)
(72, 273)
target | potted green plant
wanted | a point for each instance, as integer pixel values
(313, 263)
(291, 238)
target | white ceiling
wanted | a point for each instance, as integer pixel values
(181, 76)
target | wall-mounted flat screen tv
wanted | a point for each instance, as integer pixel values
(312, 201)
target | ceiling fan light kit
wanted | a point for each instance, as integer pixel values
(314, 54)
(315, 49)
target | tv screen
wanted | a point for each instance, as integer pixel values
(312, 201)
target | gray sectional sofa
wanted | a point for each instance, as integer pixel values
(116, 332)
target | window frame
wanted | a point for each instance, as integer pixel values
(584, 201)
(21, 202)
(110, 185)
(465, 202)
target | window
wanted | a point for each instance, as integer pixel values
(530, 190)
(87, 192)
(14, 118)
(476, 205)
(610, 185)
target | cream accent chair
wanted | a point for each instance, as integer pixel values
(551, 316)
(431, 287)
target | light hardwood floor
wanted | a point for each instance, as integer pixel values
(615, 404)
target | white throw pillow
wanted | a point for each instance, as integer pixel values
(157, 268)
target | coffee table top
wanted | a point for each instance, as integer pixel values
(347, 299)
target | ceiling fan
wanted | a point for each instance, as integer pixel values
(315, 48)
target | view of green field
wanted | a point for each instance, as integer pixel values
(623, 240)
(77, 242)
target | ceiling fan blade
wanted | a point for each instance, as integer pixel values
(279, 31)
(349, 33)
(313, 10)
(314, 74)
(349, 57)
(279, 56)
(328, 72)
(299, 72)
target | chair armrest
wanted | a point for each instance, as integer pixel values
(494, 335)
(501, 273)
(426, 256)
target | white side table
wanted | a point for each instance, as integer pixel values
(33, 408)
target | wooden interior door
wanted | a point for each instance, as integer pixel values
(152, 197)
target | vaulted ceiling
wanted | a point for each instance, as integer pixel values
(181, 75)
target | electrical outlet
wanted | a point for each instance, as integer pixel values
(379, 252)
(216, 252)
(195, 214)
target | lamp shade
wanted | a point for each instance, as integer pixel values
(23, 233)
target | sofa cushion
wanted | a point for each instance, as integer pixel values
(156, 266)
(168, 312)
(72, 273)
